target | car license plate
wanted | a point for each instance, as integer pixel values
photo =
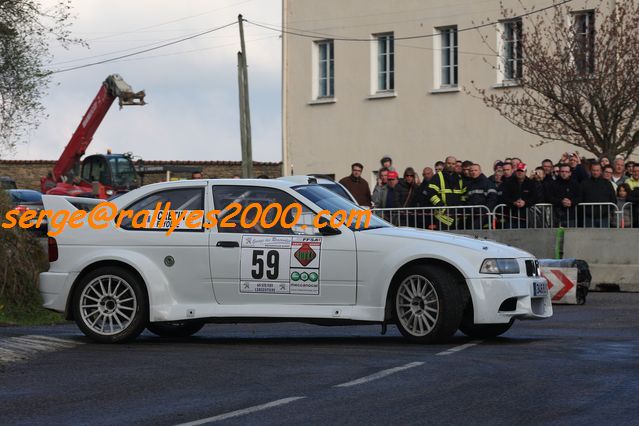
(540, 289)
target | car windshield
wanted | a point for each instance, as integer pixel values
(332, 202)
(7, 184)
(19, 196)
(333, 187)
(123, 172)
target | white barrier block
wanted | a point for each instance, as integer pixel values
(562, 284)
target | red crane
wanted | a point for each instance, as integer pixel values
(100, 175)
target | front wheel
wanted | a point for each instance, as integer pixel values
(110, 305)
(428, 304)
(484, 331)
(175, 329)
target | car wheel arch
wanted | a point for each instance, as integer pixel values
(93, 266)
(461, 280)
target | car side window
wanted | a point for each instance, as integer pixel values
(224, 195)
(182, 199)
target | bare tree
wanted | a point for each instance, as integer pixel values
(578, 76)
(27, 31)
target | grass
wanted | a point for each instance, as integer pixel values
(29, 315)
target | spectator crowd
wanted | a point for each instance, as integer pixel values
(573, 191)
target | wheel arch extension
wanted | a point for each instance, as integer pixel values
(461, 282)
(68, 311)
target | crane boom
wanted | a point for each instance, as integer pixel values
(113, 87)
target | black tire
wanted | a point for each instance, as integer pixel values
(175, 329)
(484, 331)
(122, 301)
(425, 325)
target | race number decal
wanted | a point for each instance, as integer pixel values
(280, 265)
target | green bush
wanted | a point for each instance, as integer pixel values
(22, 258)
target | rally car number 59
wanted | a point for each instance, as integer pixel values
(115, 282)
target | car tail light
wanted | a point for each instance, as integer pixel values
(53, 249)
(21, 209)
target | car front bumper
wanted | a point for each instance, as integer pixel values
(497, 300)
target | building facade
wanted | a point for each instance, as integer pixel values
(358, 86)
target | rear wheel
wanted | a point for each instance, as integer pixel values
(110, 305)
(484, 331)
(175, 329)
(428, 304)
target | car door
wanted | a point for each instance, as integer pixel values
(182, 256)
(278, 265)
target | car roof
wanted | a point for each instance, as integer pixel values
(304, 179)
(146, 189)
(27, 191)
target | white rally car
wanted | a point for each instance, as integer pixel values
(115, 282)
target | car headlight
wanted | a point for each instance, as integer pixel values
(499, 266)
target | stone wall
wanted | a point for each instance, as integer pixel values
(27, 173)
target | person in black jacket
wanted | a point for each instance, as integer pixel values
(480, 192)
(596, 189)
(407, 188)
(518, 193)
(564, 194)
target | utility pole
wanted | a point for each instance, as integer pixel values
(245, 112)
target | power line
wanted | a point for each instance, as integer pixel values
(171, 21)
(145, 50)
(354, 39)
(85, 58)
(184, 52)
(461, 52)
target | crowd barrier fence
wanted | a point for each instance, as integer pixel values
(538, 216)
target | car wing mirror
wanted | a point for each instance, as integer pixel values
(326, 228)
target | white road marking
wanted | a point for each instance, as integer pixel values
(460, 348)
(243, 411)
(379, 375)
(13, 349)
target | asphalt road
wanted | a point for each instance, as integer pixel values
(581, 366)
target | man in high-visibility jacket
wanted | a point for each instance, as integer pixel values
(446, 189)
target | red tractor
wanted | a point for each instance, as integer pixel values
(98, 175)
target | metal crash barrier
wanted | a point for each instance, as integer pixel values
(543, 215)
(439, 218)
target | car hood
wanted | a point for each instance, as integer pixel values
(489, 247)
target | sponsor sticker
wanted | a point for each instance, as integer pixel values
(280, 265)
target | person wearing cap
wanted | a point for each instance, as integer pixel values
(564, 194)
(518, 193)
(357, 185)
(390, 199)
(387, 162)
(498, 166)
(446, 188)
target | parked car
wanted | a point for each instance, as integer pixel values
(24, 200)
(117, 281)
(331, 185)
(7, 183)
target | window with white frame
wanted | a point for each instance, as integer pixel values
(448, 75)
(385, 62)
(325, 70)
(584, 41)
(511, 50)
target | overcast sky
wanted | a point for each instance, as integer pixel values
(192, 111)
